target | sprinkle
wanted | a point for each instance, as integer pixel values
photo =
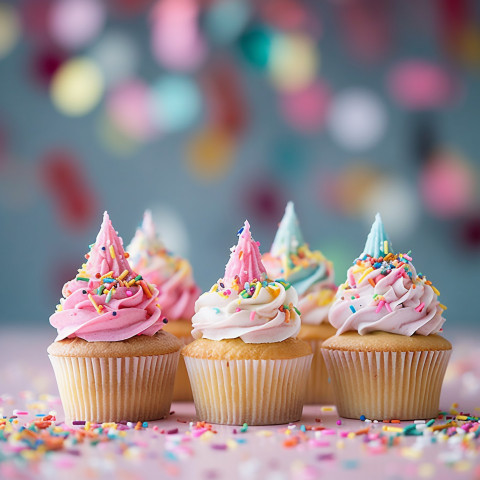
(362, 418)
(110, 295)
(216, 310)
(238, 310)
(123, 275)
(244, 428)
(138, 278)
(435, 290)
(112, 251)
(371, 282)
(442, 306)
(128, 293)
(252, 315)
(109, 274)
(365, 273)
(145, 289)
(297, 310)
(388, 307)
(352, 308)
(380, 306)
(430, 422)
(385, 246)
(420, 307)
(83, 279)
(97, 308)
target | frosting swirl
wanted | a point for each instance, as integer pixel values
(172, 275)
(244, 304)
(264, 312)
(107, 301)
(386, 294)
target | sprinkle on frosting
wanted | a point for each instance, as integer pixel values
(107, 301)
(245, 303)
(385, 293)
(308, 271)
(171, 274)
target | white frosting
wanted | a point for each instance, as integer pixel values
(404, 295)
(315, 304)
(256, 319)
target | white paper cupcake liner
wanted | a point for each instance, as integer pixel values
(387, 385)
(319, 388)
(115, 389)
(256, 392)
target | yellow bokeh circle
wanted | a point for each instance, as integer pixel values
(77, 87)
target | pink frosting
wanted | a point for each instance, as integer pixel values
(127, 312)
(245, 260)
(396, 301)
(172, 275)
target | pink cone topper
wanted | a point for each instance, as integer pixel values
(107, 254)
(245, 260)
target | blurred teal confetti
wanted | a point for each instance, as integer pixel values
(256, 46)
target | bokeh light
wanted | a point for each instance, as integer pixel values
(357, 119)
(9, 29)
(128, 108)
(45, 63)
(447, 185)
(117, 56)
(210, 154)
(176, 40)
(176, 102)
(77, 87)
(397, 201)
(74, 23)
(256, 46)
(114, 139)
(418, 84)
(225, 20)
(294, 61)
(306, 109)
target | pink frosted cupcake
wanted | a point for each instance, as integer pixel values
(312, 276)
(112, 361)
(246, 364)
(177, 290)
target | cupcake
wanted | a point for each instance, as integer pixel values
(386, 360)
(112, 361)
(177, 290)
(311, 274)
(246, 364)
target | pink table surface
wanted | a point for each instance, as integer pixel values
(27, 383)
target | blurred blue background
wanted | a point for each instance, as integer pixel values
(210, 112)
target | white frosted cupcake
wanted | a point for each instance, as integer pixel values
(246, 366)
(312, 276)
(386, 360)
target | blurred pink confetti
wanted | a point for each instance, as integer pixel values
(176, 39)
(74, 23)
(128, 108)
(447, 185)
(419, 84)
(306, 109)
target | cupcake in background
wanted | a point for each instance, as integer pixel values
(312, 276)
(246, 366)
(112, 361)
(177, 291)
(386, 360)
